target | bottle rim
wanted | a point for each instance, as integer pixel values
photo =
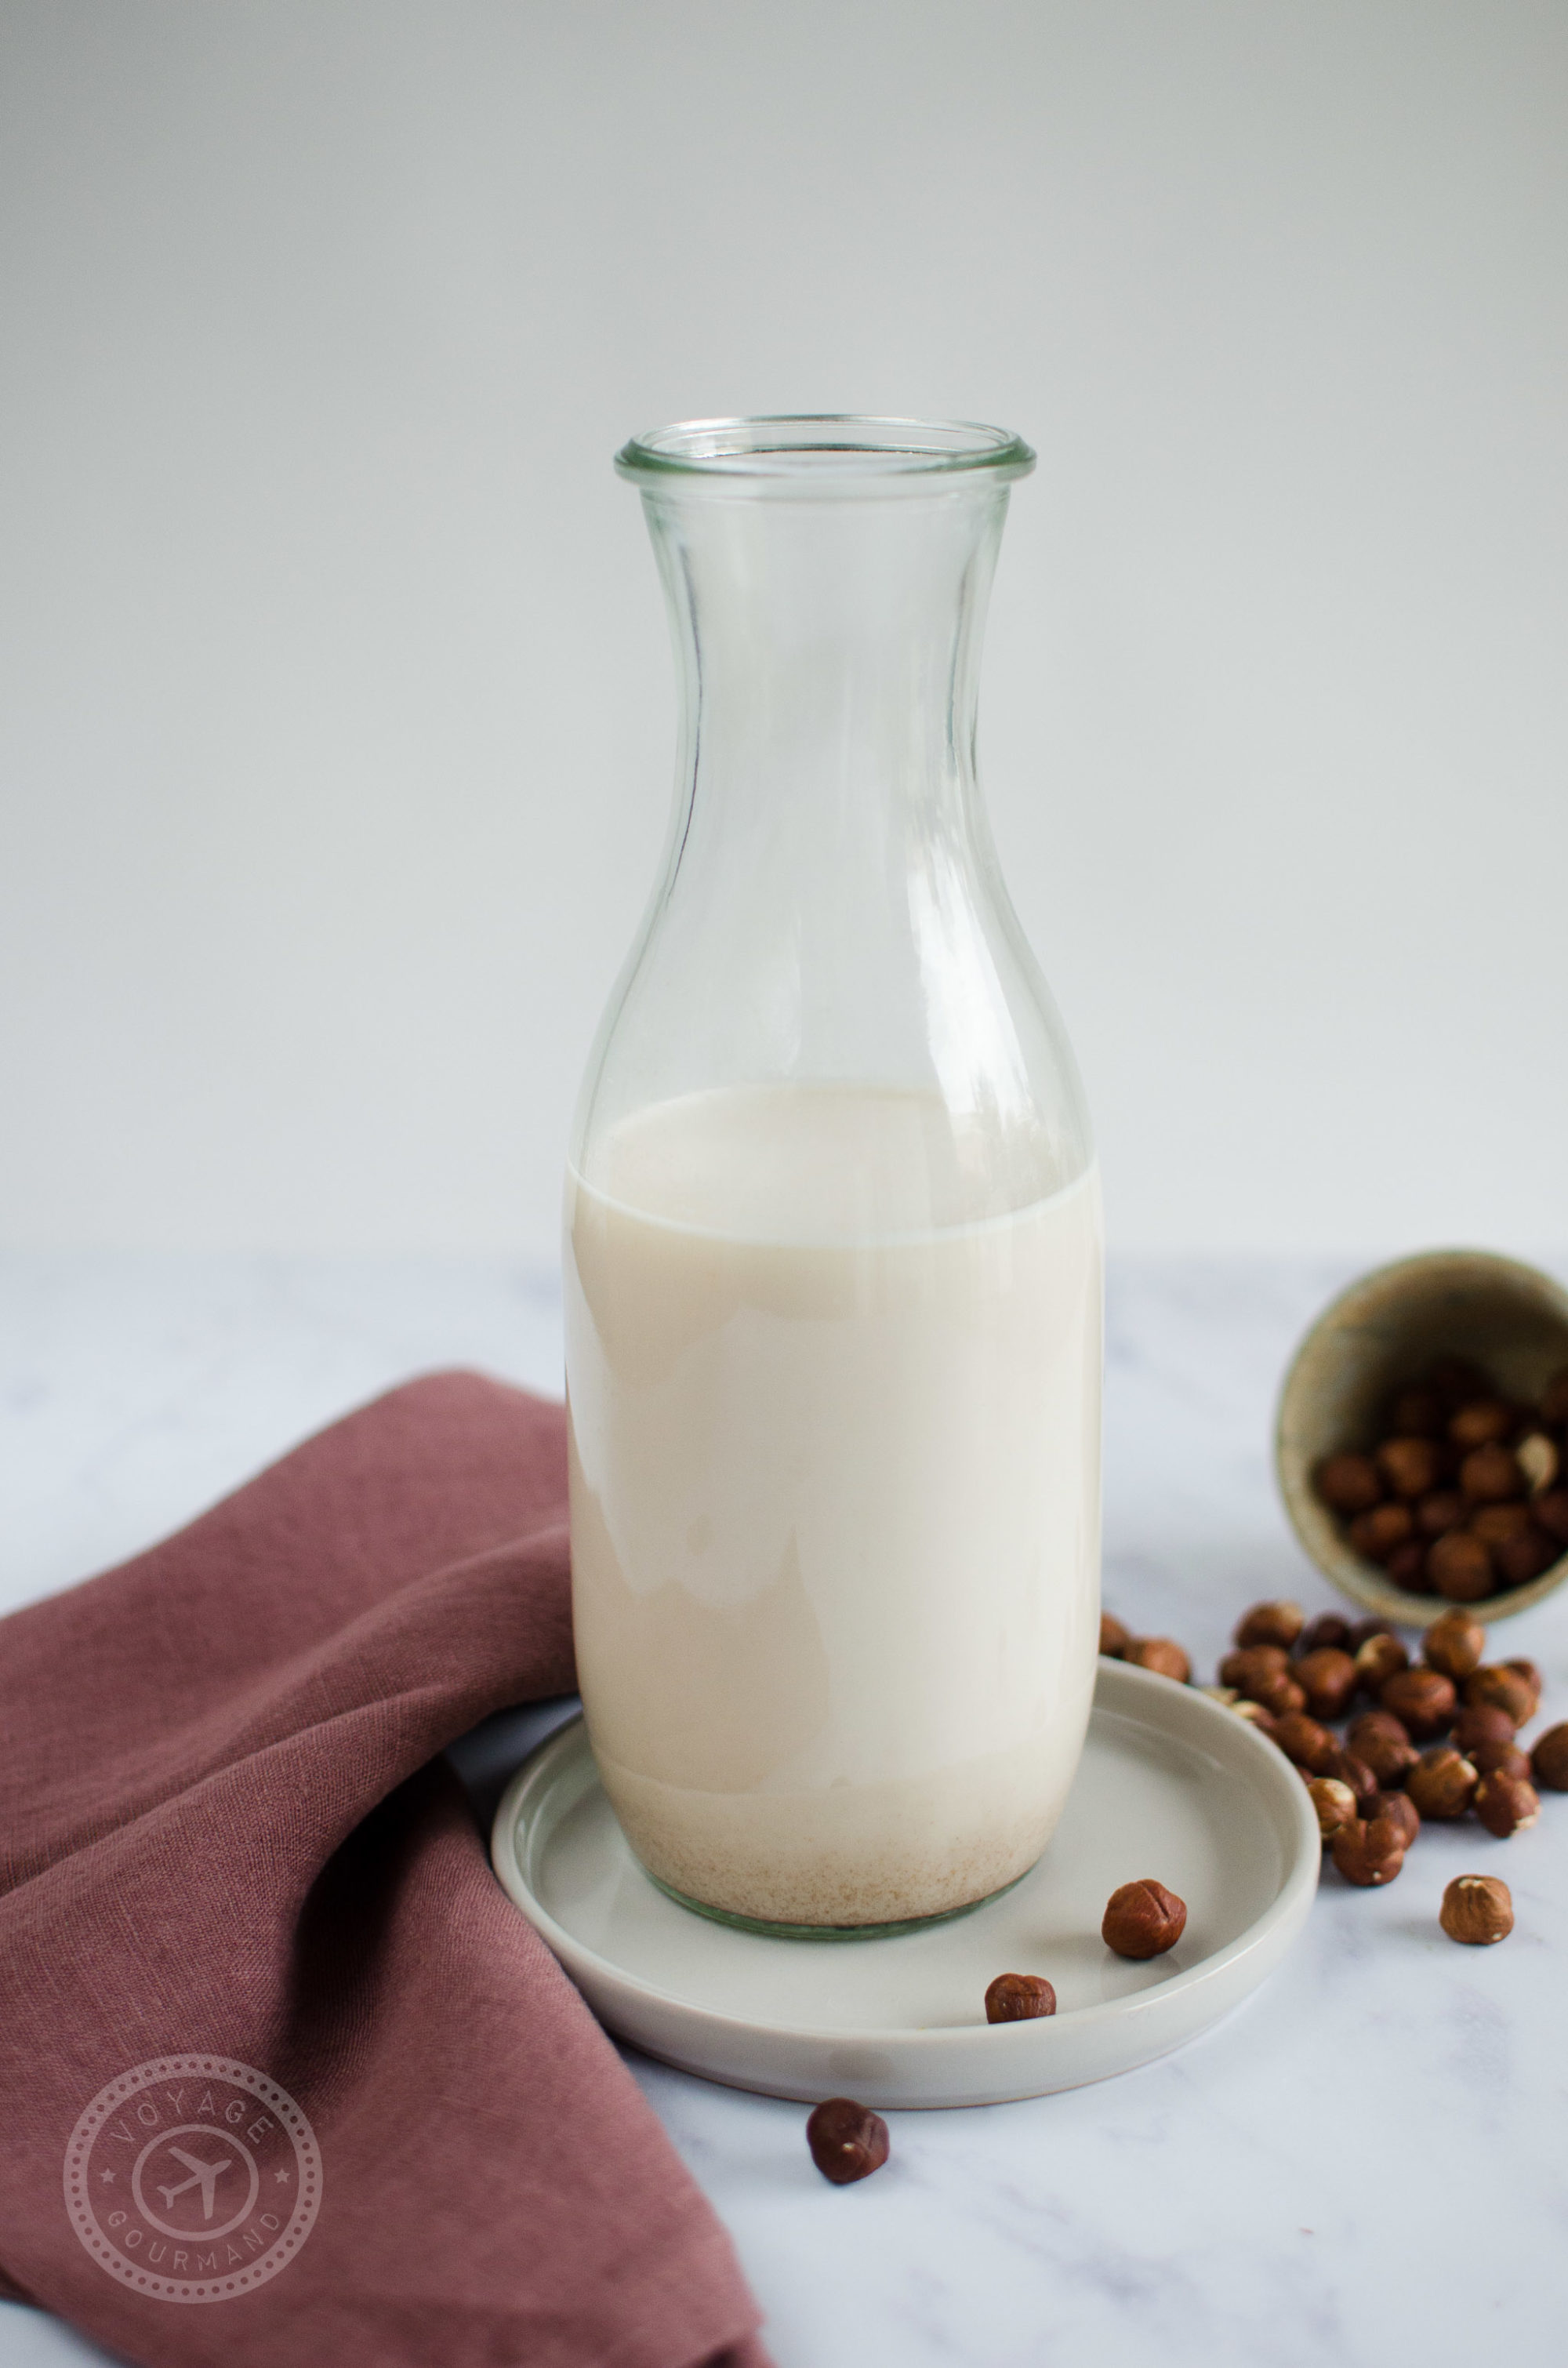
(817, 453)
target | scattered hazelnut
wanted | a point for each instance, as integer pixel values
(1418, 1413)
(1256, 1715)
(1412, 1467)
(1380, 1658)
(1327, 1677)
(1335, 1804)
(1485, 1422)
(1347, 1769)
(1270, 1623)
(1143, 1920)
(1301, 1738)
(1161, 1655)
(1442, 1782)
(1424, 1700)
(1477, 1909)
(1328, 1628)
(1248, 1663)
(848, 2141)
(1507, 1804)
(1550, 1510)
(1522, 1558)
(1454, 1644)
(1530, 1672)
(1019, 1998)
(1501, 1688)
(1488, 1474)
(1400, 1810)
(1479, 1723)
(1554, 1399)
(1444, 1509)
(1368, 1852)
(1460, 1567)
(1348, 1484)
(1497, 1758)
(1548, 1761)
(1114, 1638)
(1363, 1629)
(1539, 1459)
(1383, 1742)
(1376, 1534)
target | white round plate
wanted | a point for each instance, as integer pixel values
(1171, 1785)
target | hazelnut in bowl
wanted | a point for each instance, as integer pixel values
(1422, 1442)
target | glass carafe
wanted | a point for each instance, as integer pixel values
(832, 1229)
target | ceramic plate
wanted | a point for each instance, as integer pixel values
(1171, 1785)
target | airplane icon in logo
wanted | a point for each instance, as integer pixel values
(207, 2173)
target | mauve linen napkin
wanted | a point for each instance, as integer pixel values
(223, 1843)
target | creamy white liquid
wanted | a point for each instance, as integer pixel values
(834, 1377)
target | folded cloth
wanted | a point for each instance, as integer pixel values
(236, 1894)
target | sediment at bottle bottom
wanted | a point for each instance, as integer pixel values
(885, 1853)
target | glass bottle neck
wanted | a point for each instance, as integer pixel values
(828, 655)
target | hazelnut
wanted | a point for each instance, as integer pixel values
(1522, 1558)
(1444, 1509)
(1019, 1998)
(1507, 1804)
(1554, 1399)
(1460, 1567)
(1348, 1484)
(1114, 1638)
(1256, 1715)
(1400, 1810)
(848, 2141)
(1424, 1700)
(1335, 1804)
(1539, 1459)
(1161, 1655)
(1328, 1628)
(1479, 1723)
(1492, 1524)
(1418, 1413)
(1500, 1688)
(1327, 1677)
(1406, 1566)
(1248, 1664)
(1376, 1534)
(1550, 1510)
(1304, 1740)
(1490, 1474)
(1477, 1909)
(1270, 1623)
(1454, 1644)
(1383, 1742)
(1368, 1852)
(1457, 1380)
(1380, 1658)
(1375, 1626)
(1482, 1423)
(1143, 1920)
(1442, 1782)
(1347, 1769)
(1530, 1672)
(1497, 1758)
(1412, 1467)
(1548, 1761)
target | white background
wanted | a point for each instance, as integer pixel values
(335, 718)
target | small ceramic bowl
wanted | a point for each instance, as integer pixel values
(1512, 1319)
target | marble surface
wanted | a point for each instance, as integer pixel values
(1364, 2163)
